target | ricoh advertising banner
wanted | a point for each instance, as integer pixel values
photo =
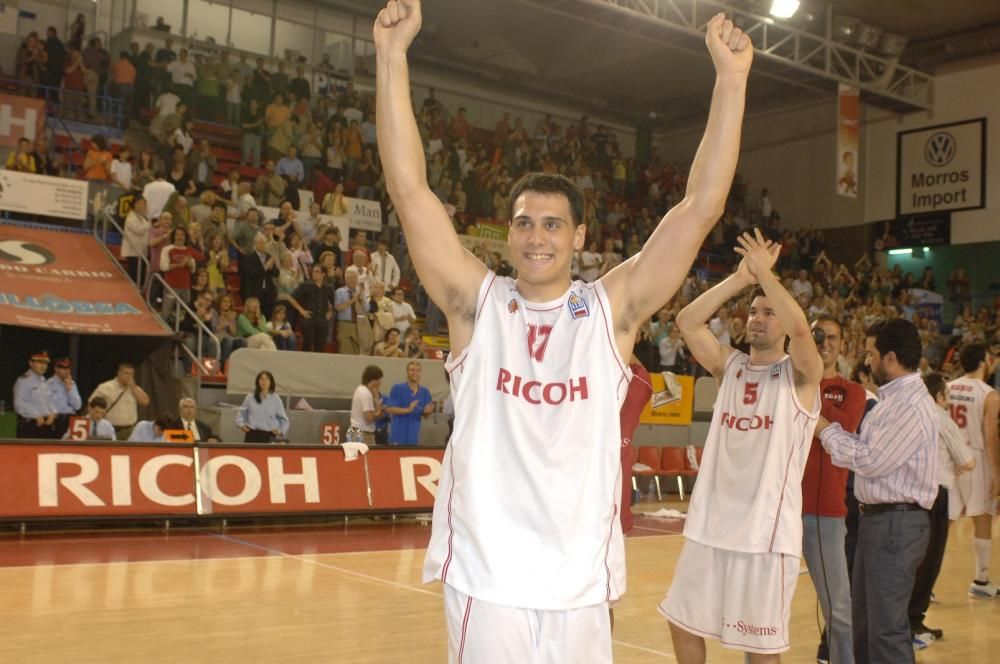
(941, 168)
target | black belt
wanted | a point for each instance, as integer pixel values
(879, 508)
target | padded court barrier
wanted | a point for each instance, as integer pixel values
(46, 480)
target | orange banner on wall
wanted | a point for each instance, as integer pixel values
(672, 400)
(65, 281)
(88, 480)
(20, 117)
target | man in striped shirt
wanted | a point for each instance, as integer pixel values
(895, 462)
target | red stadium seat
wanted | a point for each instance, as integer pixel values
(674, 462)
(649, 456)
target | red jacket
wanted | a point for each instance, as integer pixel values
(823, 484)
(639, 391)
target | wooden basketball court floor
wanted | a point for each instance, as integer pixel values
(345, 593)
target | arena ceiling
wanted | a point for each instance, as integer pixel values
(614, 65)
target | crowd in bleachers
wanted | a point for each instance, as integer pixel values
(227, 138)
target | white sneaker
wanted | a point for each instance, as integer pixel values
(983, 591)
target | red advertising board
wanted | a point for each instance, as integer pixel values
(88, 480)
(65, 281)
(20, 117)
(61, 480)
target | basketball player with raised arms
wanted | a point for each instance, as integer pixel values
(737, 571)
(974, 407)
(526, 536)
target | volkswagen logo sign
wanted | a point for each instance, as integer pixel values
(940, 149)
(20, 252)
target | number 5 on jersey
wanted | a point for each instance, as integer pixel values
(750, 393)
(538, 340)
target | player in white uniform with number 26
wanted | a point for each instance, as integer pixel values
(526, 536)
(973, 406)
(737, 572)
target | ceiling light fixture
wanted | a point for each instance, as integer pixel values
(784, 8)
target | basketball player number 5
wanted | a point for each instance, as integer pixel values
(750, 394)
(538, 340)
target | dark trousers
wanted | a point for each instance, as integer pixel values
(929, 569)
(29, 428)
(851, 541)
(314, 333)
(258, 436)
(891, 546)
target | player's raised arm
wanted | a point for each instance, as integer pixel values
(450, 274)
(693, 319)
(760, 256)
(641, 285)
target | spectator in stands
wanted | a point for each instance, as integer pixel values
(122, 170)
(199, 282)
(215, 222)
(189, 421)
(384, 266)
(183, 74)
(142, 61)
(97, 163)
(124, 397)
(301, 257)
(253, 125)
(135, 241)
(244, 231)
(313, 299)
(334, 152)
(280, 329)
(166, 107)
(97, 59)
(183, 137)
(334, 203)
(258, 270)
(310, 149)
(329, 243)
(390, 346)
(144, 170)
(97, 426)
(44, 163)
(353, 142)
(123, 74)
(178, 177)
(308, 225)
(178, 261)
(207, 87)
(299, 86)
(413, 345)
(202, 210)
(169, 126)
(380, 310)
(590, 263)
(408, 404)
(55, 59)
(157, 193)
(402, 312)
(291, 167)
(204, 313)
(179, 211)
(31, 63)
(234, 97)
(217, 264)
(75, 81)
(366, 404)
(368, 174)
(262, 415)
(151, 431)
(21, 159)
(64, 394)
(33, 404)
(201, 165)
(349, 303)
(251, 325)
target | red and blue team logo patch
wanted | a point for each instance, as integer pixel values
(577, 306)
(776, 372)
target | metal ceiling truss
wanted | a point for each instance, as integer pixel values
(792, 54)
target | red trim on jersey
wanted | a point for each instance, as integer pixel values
(479, 309)
(784, 485)
(558, 306)
(784, 634)
(607, 329)
(795, 395)
(607, 544)
(451, 529)
(465, 625)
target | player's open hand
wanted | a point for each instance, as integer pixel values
(397, 25)
(730, 47)
(759, 254)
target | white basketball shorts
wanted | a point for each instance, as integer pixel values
(743, 600)
(970, 494)
(483, 633)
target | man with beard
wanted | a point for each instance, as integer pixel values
(737, 572)
(895, 462)
(823, 507)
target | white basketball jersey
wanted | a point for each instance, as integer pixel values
(966, 404)
(748, 496)
(526, 513)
